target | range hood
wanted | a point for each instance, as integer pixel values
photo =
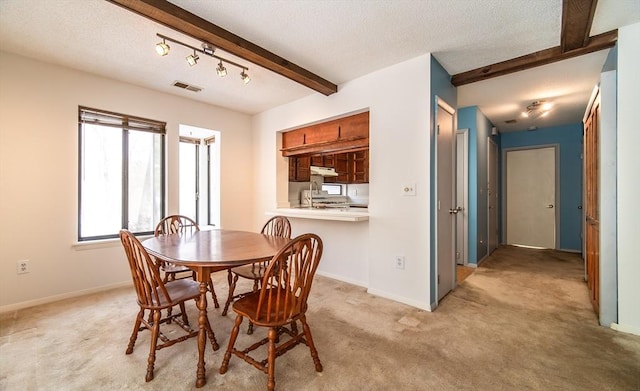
(323, 171)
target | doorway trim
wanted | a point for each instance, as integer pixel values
(491, 143)
(503, 188)
(462, 194)
(439, 102)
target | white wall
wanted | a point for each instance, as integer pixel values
(38, 174)
(399, 104)
(628, 179)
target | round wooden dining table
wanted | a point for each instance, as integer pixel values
(208, 251)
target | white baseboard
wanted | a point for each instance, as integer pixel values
(51, 299)
(625, 328)
(342, 278)
(414, 303)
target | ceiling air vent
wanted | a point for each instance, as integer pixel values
(186, 86)
(510, 121)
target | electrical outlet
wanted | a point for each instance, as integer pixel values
(400, 262)
(22, 266)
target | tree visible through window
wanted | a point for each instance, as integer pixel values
(121, 174)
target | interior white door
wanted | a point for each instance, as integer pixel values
(462, 172)
(445, 200)
(531, 197)
(492, 195)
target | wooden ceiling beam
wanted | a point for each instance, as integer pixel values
(178, 19)
(536, 59)
(577, 17)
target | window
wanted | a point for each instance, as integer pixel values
(190, 177)
(120, 174)
(332, 189)
(200, 174)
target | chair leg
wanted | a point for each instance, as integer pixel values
(134, 335)
(232, 287)
(155, 330)
(232, 342)
(213, 294)
(271, 359)
(185, 318)
(211, 334)
(312, 348)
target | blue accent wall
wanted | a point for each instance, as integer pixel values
(441, 87)
(479, 127)
(569, 138)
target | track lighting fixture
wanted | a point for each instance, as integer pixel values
(162, 48)
(222, 71)
(207, 49)
(192, 59)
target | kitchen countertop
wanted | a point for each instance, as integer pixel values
(335, 214)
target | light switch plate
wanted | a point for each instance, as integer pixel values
(409, 189)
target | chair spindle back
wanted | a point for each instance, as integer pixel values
(288, 278)
(146, 274)
(277, 226)
(176, 224)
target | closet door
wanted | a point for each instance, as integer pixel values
(592, 213)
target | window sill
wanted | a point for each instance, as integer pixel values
(103, 243)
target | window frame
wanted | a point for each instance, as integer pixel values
(126, 124)
(196, 144)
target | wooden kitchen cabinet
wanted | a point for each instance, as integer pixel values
(354, 127)
(343, 134)
(299, 170)
(351, 167)
(359, 165)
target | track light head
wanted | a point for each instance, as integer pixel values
(192, 59)
(245, 78)
(222, 71)
(162, 48)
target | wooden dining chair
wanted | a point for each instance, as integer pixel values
(281, 301)
(179, 224)
(154, 295)
(275, 226)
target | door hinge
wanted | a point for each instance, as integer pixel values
(457, 254)
(438, 278)
(437, 129)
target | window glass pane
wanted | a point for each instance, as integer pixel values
(100, 181)
(144, 181)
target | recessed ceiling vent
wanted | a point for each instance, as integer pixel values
(510, 121)
(186, 86)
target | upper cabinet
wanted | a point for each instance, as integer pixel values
(340, 135)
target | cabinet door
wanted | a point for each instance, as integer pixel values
(293, 138)
(355, 126)
(322, 133)
(359, 167)
(303, 172)
(341, 161)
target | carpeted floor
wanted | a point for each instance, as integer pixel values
(521, 321)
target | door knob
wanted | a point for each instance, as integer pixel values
(550, 206)
(455, 210)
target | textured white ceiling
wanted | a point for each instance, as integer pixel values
(339, 40)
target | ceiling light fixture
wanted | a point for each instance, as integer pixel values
(162, 48)
(207, 49)
(245, 78)
(192, 59)
(222, 71)
(537, 109)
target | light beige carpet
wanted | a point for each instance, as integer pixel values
(521, 321)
